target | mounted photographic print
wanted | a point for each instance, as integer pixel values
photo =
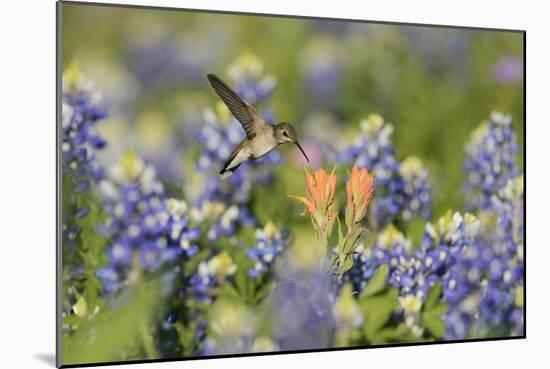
(244, 184)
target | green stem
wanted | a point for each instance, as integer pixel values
(147, 340)
(321, 243)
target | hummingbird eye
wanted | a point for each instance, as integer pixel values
(285, 134)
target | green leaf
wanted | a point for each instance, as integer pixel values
(346, 265)
(377, 283)
(415, 230)
(71, 319)
(262, 291)
(377, 310)
(439, 309)
(434, 323)
(241, 281)
(334, 261)
(352, 239)
(392, 334)
(433, 296)
(81, 307)
(114, 329)
(186, 336)
(228, 291)
(339, 230)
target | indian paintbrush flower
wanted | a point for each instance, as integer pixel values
(319, 201)
(319, 204)
(359, 189)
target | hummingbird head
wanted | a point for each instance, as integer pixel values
(285, 132)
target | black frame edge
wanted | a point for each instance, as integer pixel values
(234, 12)
(311, 351)
(58, 232)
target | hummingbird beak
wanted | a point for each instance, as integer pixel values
(302, 150)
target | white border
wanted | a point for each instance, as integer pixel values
(27, 201)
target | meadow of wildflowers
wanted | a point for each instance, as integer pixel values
(408, 226)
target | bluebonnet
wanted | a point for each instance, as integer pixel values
(489, 296)
(485, 294)
(270, 243)
(234, 328)
(80, 140)
(210, 275)
(442, 247)
(440, 51)
(158, 143)
(147, 231)
(303, 304)
(410, 307)
(508, 204)
(490, 274)
(362, 270)
(490, 160)
(168, 60)
(415, 189)
(222, 220)
(81, 111)
(403, 190)
(347, 314)
(335, 28)
(249, 79)
(414, 272)
(391, 248)
(323, 69)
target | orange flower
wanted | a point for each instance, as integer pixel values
(320, 199)
(359, 188)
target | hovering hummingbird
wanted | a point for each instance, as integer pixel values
(261, 137)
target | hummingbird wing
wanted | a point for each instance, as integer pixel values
(229, 165)
(243, 111)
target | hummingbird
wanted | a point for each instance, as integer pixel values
(261, 137)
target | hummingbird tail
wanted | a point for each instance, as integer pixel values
(225, 173)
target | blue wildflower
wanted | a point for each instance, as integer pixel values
(303, 304)
(210, 275)
(415, 191)
(164, 61)
(322, 64)
(232, 328)
(147, 230)
(414, 273)
(270, 243)
(362, 270)
(403, 189)
(222, 220)
(494, 271)
(490, 160)
(249, 80)
(80, 141)
(489, 275)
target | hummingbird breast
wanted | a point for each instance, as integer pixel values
(262, 144)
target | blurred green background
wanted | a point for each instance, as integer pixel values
(434, 84)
